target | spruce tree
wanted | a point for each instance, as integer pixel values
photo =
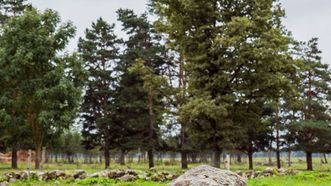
(100, 52)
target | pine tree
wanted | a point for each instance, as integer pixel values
(311, 131)
(256, 132)
(237, 51)
(143, 44)
(100, 52)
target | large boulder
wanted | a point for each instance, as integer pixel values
(208, 176)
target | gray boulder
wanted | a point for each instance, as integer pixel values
(208, 176)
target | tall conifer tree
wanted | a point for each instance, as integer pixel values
(144, 44)
(236, 53)
(100, 52)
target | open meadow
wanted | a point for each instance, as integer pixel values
(321, 176)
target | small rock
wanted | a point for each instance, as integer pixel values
(131, 172)
(128, 177)
(41, 176)
(24, 175)
(152, 169)
(5, 183)
(281, 170)
(59, 174)
(116, 174)
(103, 174)
(158, 178)
(12, 175)
(12, 179)
(250, 174)
(80, 174)
(171, 177)
(51, 175)
(94, 175)
(268, 170)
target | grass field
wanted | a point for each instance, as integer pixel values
(320, 177)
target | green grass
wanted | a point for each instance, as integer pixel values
(301, 179)
(321, 176)
(89, 181)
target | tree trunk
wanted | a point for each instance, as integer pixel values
(90, 158)
(322, 159)
(151, 132)
(217, 158)
(278, 138)
(150, 158)
(56, 161)
(107, 156)
(38, 157)
(289, 158)
(250, 161)
(270, 154)
(250, 152)
(278, 158)
(184, 159)
(239, 159)
(325, 159)
(203, 157)
(309, 159)
(194, 157)
(183, 149)
(182, 86)
(14, 157)
(122, 157)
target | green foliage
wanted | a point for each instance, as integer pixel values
(153, 84)
(309, 129)
(10, 8)
(141, 89)
(45, 86)
(100, 52)
(237, 59)
(312, 136)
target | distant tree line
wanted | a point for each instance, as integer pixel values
(217, 76)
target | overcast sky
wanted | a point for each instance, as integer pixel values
(305, 18)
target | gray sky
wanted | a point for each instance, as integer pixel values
(305, 18)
